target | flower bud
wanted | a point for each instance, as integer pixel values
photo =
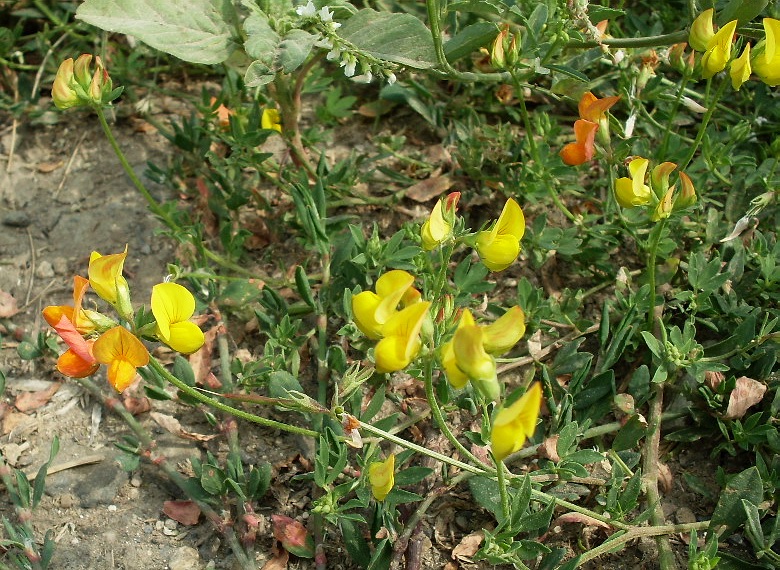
(659, 177)
(664, 208)
(498, 50)
(740, 69)
(687, 196)
(62, 92)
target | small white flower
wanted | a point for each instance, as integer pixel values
(333, 54)
(364, 78)
(391, 78)
(307, 11)
(349, 64)
(324, 43)
(325, 14)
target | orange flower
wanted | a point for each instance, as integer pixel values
(77, 361)
(583, 149)
(593, 109)
(123, 353)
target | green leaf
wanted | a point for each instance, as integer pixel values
(411, 475)
(566, 70)
(212, 480)
(629, 435)
(486, 494)
(259, 480)
(730, 510)
(28, 351)
(261, 38)
(400, 38)
(197, 31)
(468, 40)
(485, 8)
(40, 479)
(281, 383)
(356, 544)
(293, 50)
(303, 286)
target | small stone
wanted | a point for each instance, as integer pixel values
(112, 508)
(60, 266)
(159, 525)
(184, 558)
(44, 270)
(135, 481)
(16, 219)
(67, 501)
(170, 524)
(133, 493)
(684, 515)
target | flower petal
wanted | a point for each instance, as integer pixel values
(513, 424)
(502, 334)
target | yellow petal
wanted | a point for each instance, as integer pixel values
(470, 355)
(702, 31)
(497, 252)
(435, 229)
(501, 335)
(185, 337)
(381, 477)
(123, 353)
(511, 221)
(740, 69)
(455, 375)
(271, 120)
(171, 303)
(401, 341)
(513, 424)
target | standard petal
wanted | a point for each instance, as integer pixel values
(105, 272)
(511, 221)
(499, 253)
(513, 424)
(364, 306)
(470, 355)
(171, 303)
(501, 335)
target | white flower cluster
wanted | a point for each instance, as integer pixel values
(348, 60)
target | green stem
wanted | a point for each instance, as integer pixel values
(439, 417)
(713, 104)
(154, 206)
(648, 41)
(502, 490)
(652, 254)
(483, 470)
(155, 365)
(534, 150)
(434, 21)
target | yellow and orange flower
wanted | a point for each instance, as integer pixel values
(123, 353)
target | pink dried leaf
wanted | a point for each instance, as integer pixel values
(746, 393)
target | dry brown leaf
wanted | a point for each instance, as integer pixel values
(468, 546)
(200, 360)
(46, 167)
(549, 448)
(279, 561)
(746, 393)
(535, 345)
(136, 406)
(376, 108)
(665, 478)
(13, 420)
(579, 518)
(27, 401)
(184, 512)
(429, 188)
(8, 305)
(168, 423)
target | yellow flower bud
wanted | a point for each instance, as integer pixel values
(62, 92)
(513, 424)
(381, 477)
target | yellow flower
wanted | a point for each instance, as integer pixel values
(372, 310)
(718, 51)
(438, 227)
(401, 338)
(766, 58)
(469, 355)
(381, 476)
(123, 353)
(499, 246)
(173, 306)
(702, 31)
(513, 424)
(76, 85)
(631, 192)
(105, 277)
(271, 120)
(740, 69)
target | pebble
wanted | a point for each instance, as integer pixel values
(135, 481)
(112, 508)
(17, 219)
(684, 515)
(44, 270)
(67, 501)
(60, 265)
(184, 558)
(170, 524)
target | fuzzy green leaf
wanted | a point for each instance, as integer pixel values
(197, 31)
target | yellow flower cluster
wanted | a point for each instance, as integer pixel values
(662, 198)
(94, 338)
(763, 59)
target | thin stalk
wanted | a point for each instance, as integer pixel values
(638, 532)
(652, 254)
(647, 41)
(502, 490)
(484, 470)
(153, 204)
(434, 21)
(713, 104)
(155, 365)
(438, 417)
